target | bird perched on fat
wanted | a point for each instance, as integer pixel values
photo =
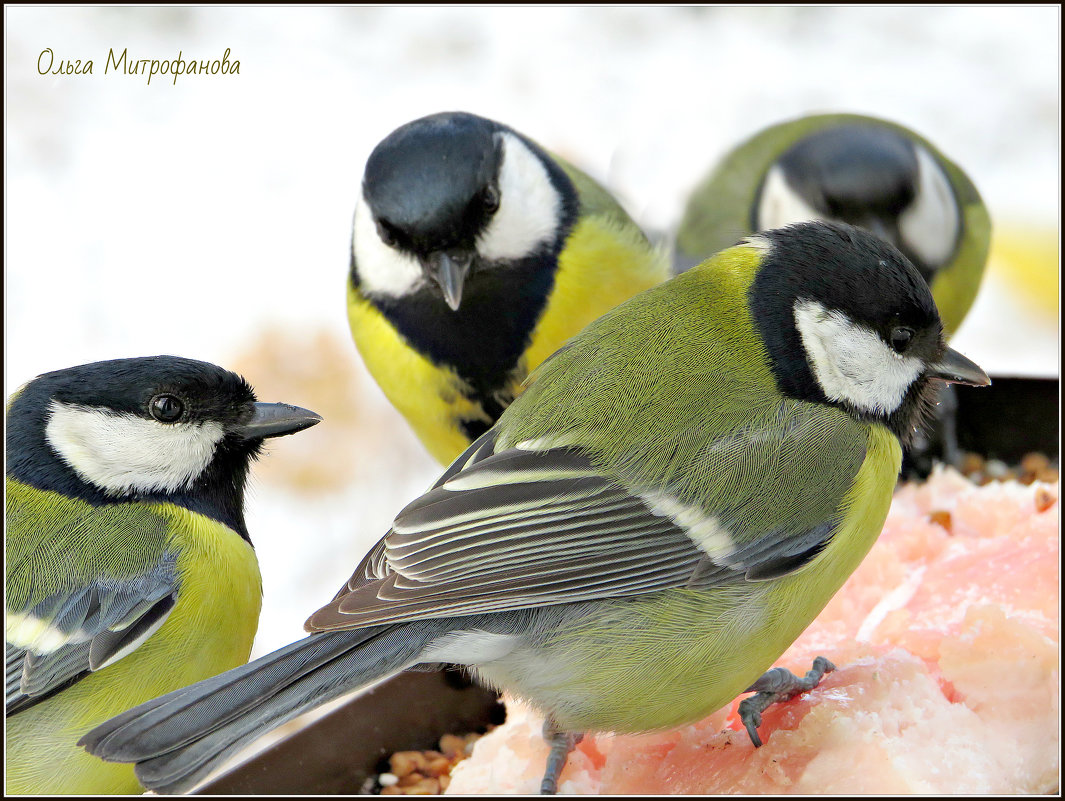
(129, 568)
(475, 254)
(674, 497)
(854, 169)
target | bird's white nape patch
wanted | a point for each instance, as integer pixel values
(470, 647)
(852, 363)
(383, 270)
(781, 205)
(759, 243)
(929, 225)
(704, 530)
(124, 453)
(529, 205)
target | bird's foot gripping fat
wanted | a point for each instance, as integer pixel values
(776, 685)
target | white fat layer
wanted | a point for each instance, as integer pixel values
(781, 205)
(123, 453)
(469, 647)
(703, 529)
(929, 225)
(529, 205)
(851, 363)
(895, 599)
(383, 270)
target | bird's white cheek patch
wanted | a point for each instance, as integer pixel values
(383, 270)
(929, 226)
(781, 205)
(124, 453)
(529, 206)
(851, 363)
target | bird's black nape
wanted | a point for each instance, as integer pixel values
(126, 387)
(845, 269)
(860, 173)
(848, 170)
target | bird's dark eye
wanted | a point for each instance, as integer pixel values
(166, 408)
(490, 199)
(900, 338)
(384, 230)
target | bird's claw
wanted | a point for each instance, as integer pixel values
(561, 744)
(777, 684)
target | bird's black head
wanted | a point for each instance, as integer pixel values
(870, 175)
(848, 320)
(432, 184)
(451, 196)
(153, 428)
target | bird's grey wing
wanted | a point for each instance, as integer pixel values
(61, 638)
(523, 528)
(374, 565)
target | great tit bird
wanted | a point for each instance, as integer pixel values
(673, 498)
(129, 568)
(475, 254)
(854, 169)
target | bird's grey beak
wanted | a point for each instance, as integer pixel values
(276, 420)
(449, 270)
(956, 369)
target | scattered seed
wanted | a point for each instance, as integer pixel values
(1044, 499)
(426, 786)
(404, 763)
(426, 772)
(941, 517)
(1047, 476)
(1034, 462)
(451, 745)
(972, 463)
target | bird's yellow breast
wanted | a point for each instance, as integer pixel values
(604, 263)
(209, 630)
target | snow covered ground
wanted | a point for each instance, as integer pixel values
(190, 217)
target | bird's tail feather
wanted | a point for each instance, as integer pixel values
(179, 738)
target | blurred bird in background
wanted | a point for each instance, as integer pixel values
(867, 172)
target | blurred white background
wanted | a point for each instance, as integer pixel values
(210, 218)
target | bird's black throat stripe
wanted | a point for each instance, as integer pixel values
(484, 340)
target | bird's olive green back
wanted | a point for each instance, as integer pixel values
(55, 544)
(719, 211)
(673, 390)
